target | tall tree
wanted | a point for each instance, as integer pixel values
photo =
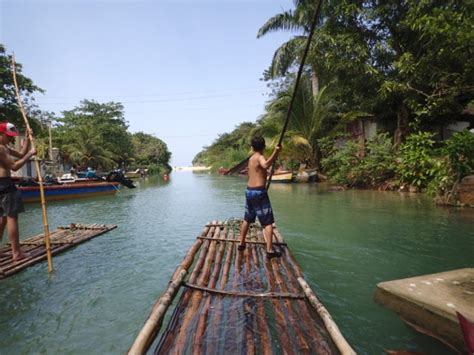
(105, 119)
(86, 146)
(149, 150)
(9, 108)
(310, 119)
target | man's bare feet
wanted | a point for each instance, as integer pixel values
(20, 255)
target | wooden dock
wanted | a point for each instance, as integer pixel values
(61, 239)
(240, 302)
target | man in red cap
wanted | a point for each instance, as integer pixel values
(10, 198)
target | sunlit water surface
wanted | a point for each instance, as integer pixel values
(102, 291)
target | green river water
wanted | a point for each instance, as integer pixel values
(102, 291)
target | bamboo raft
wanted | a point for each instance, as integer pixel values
(240, 302)
(61, 239)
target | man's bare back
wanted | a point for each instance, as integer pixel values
(257, 174)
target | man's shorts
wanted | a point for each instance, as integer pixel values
(11, 203)
(257, 204)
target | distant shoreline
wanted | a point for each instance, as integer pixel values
(191, 168)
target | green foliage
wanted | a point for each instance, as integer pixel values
(339, 164)
(86, 147)
(352, 166)
(460, 151)
(8, 102)
(105, 119)
(149, 150)
(415, 165)
(442, 180)
(455, 162)
(228, 149)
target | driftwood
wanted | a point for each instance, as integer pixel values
(240, 301)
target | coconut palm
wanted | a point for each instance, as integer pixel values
(309, 121)
(289, 52)
(86, 146)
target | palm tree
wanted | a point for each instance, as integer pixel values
(309, 121)
(289, 52)
(86, 146)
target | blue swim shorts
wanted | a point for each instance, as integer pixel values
(257, 204)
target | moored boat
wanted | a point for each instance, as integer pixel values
(68, 191)
(282, 177)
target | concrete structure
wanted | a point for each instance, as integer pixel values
(429, 303)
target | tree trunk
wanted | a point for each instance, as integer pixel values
(402, 124)
(314, 82)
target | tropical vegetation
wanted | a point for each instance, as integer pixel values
(403, 65)
(92, 134)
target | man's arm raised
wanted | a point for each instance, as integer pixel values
(268, 162)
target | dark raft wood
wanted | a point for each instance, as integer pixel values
(61, 239)
(239, 302)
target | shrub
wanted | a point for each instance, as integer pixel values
(415, 164)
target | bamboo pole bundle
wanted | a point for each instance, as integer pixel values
(331, 326)
(292, 316)
(312, 329)
(194, 300)
(262, 326)
(154, 321)
(218, 304)
(38, 169)
(204, 314)
(280, 321)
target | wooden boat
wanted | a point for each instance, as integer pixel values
(240, 302)
(138, 173)
(282, 177)
(69, 191)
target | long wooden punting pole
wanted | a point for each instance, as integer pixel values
(47, 241)
(154, 321)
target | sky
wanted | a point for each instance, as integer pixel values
(185, 71)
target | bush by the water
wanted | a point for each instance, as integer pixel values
(416, 164)
(352, 166)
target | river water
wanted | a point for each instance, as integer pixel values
(102, 291)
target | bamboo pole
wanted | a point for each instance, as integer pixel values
(38, 170)
(279, 320)
(203, 322)
(218, 305)
(153, 323)
(303, 309)
(331, 326)
(191, 300)
(262, 326)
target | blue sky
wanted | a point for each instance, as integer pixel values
(184, 70)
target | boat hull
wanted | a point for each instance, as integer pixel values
(283, 178)
(68, 191)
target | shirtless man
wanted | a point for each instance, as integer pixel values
(257, 201)
(10, 198)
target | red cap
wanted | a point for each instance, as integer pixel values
(8, 128)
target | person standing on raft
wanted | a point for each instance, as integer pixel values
(10, 198)
(257, 203)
